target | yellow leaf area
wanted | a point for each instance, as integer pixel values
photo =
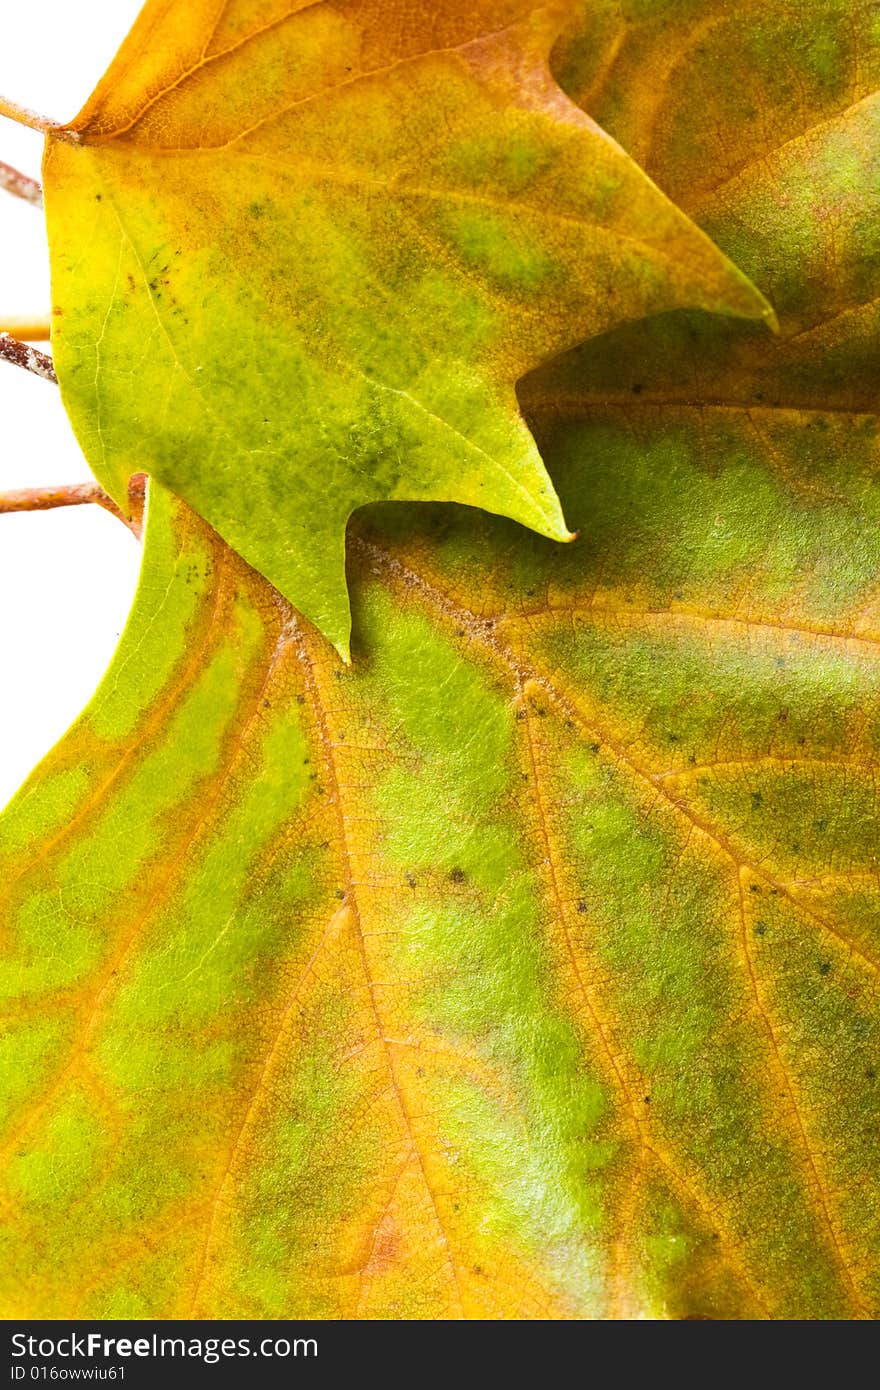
(302, 252)
(526, 970)
(781, 167)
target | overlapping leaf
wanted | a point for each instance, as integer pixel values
(781, 167)
(302, 252)
(528, 969)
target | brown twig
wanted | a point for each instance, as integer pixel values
(44, 499)
(20, 185)
(30, 358)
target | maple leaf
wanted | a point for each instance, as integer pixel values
(528, 969)
(302, 252)
(790, 193)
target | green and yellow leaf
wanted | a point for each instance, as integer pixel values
(529, 968)
(301, 254)
(781, 167)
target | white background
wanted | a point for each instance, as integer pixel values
(66, 577)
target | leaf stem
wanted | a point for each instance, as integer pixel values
(20, 185)
(22, 116)
(44, 499)
(37, 329)
(30, 358)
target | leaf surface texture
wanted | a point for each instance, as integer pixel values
(529, 967)
(301, 254)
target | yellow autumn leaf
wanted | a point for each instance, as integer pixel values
(301, 254)
(527, 969)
